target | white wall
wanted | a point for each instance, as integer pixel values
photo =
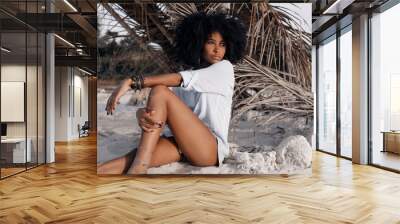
(33, 126)
(70, 83)
(61, 103)
(80, 83)
(17, 73)
(12, 73)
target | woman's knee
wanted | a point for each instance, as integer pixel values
(159, 91)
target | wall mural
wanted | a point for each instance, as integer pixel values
(204, 88)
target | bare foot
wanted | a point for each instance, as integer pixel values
(118, 165)
(139, 168)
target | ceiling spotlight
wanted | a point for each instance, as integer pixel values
(79, 51)
(64, 40)
(5, 50)
(84, 71)
(70, 5)
(337, 7)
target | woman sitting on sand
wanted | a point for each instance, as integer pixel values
(197, 110)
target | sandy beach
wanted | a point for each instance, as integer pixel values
(277, 148)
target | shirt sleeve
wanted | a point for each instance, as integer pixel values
(217, 78)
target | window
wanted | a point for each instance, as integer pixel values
(327, 95)
(346, 75)
(385, 87)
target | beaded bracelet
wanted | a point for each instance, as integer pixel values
(138, 82)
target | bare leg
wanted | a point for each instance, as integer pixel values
(195, 140)
(118, 165)
(166, 152)
(149, 140)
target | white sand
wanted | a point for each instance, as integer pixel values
(279, 148)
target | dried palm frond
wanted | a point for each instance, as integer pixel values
(278, 41)
(260, 88)
(177, 11)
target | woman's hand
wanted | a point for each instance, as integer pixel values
(146, 120)
(113, 100)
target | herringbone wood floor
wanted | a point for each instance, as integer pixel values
(69, 191)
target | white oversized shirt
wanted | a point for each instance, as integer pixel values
(208, 93)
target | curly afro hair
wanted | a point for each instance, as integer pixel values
(195, 29)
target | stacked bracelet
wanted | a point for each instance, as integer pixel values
(138, 82)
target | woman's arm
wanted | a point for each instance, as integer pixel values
(170, 79)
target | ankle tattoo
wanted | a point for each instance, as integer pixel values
(141, 164)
